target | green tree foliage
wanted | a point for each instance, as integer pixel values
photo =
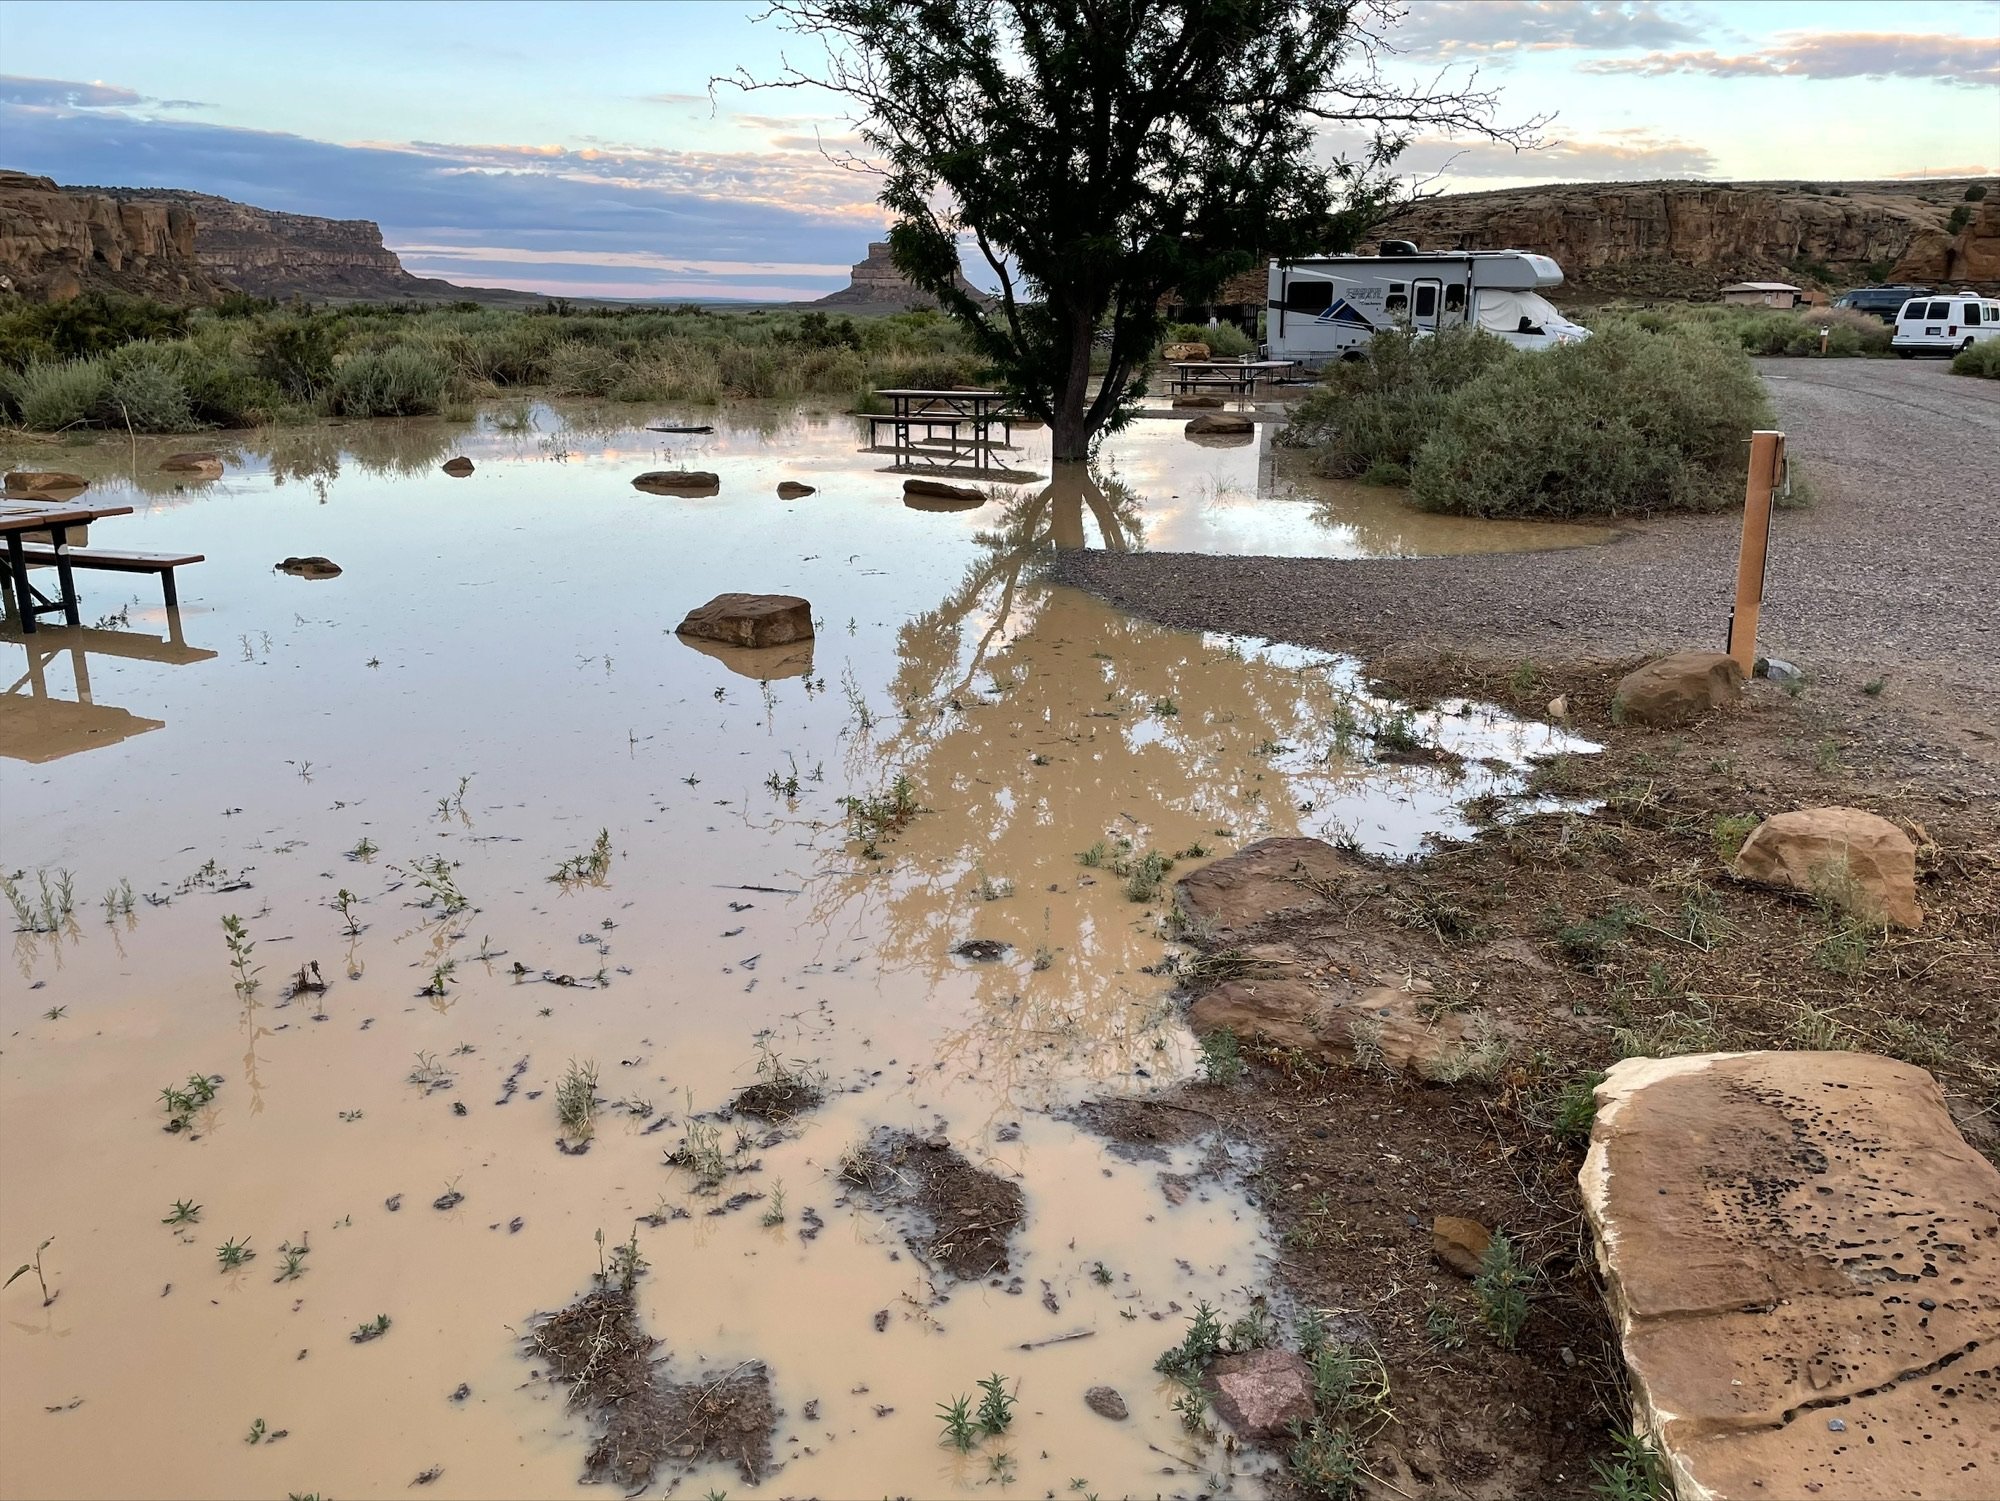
(1102, 154)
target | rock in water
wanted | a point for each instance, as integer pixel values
(201, 461)
(1106, 1403)
(44, 482)
(1859, 862)
(1788, 1235)
(1261, 1393)
(310, 568)
(457, 468)
(1459, 1243)
(981, 950)
(751, 620)
(678, 482)
(791, 489)
(1678, 689)
(1220, 424)
(936, 495)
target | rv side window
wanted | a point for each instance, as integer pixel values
(1399, 299)
(1427, 301)
(1309, 296)
(1454, 298)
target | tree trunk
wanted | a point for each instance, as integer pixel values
(1071, 431)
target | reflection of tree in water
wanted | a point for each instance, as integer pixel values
(1093, 725)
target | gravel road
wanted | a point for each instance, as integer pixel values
(1894, 568)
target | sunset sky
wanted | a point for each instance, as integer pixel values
(575, 148)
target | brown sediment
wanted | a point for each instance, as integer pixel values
(957, 1216)
(643, 1419)
(777, 1099)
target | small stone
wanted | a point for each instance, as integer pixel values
(1261, 1393)
(791, 489)
(1778, 670)
(457, 468)
(1106, 1403)
(1459, 1243)
(1836, 1425)
(310, 568)
(1559, 706)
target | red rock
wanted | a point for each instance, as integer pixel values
(1261, 881)
(756, 620)
(457, 468)
(1678, 689)
(1459, 1243)
(1806, 849)
(1261, 1393)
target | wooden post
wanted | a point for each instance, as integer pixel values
(1767, 456)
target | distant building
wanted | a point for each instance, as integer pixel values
(1763, 294)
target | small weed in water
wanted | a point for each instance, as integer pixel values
(1146, 876)
(294, 1266)
(960, 1431)
(440, 978)
(434, 878)
(996, 1405)
(871, 816)
(774, 1212)
(119, 901)
(233, 1253)
(365, 850)
(343, 903)
(34, 1266)
(1164, 708)
(1502, 1285)
(1201, 1344)
(256, 1435)
(237, 938)
(184, 1212)
(576, 1100)
(589, 868)
(1101, 1274)
(1395, 731)
(45, 910)
(372, 1330)
(1325, 1460)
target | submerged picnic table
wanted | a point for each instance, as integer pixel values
(56, 517)
(1234, 375)
(943, 411)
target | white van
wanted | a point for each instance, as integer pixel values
(1330, 307)
(1945, 324)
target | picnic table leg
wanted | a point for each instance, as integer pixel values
(17, 569)
(167, 587)
(65, 574)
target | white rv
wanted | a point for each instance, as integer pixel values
(1331, 307)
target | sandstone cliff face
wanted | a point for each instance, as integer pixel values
(55, 244)
(274, 254)
(875, 282)
(1680, 238)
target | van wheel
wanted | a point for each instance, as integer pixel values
(1906, 354)
(1352, 357)
(1966, 345)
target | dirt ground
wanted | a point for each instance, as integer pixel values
(1606, 927)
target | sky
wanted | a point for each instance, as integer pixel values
(578, 148)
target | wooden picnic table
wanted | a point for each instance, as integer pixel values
(18, 518)
(932, 411)
(1237, 375)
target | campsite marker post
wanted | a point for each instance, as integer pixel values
(1767, 458)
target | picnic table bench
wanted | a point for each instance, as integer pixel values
(942, 411)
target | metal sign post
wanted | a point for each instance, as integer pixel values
(1767, 462)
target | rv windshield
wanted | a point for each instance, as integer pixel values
(1518, 312)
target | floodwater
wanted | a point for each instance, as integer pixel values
(492, 681)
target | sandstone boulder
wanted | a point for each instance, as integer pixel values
(791, 489)
(1801, 1256)
(45, 483)
(1857, 860)
(457, 468)
(1221, 424)
(759, 620)
(1200, 401)
(1678, 689)
(203, 463)
(1262, 881)
(310, 568)
(678, 482)
(1261, 1393)
(938, 495)
(1459, 1243)
(1346, 1021)
(1184, 352)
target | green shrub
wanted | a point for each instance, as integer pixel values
(1975, 193)
(1225, 341)
(58, 394)
(1957, 219)
(394, 382)
(1625, 423)
(1982, 358)
(296, 355)
(94, 323)
(146, 393)
(578, 369)
(1371, 416)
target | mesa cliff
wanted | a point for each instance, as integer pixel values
(56, 243)
(1678, 239)
(874, 282)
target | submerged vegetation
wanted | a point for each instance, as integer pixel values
(129, 364)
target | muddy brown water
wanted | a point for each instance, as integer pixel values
(514, 628)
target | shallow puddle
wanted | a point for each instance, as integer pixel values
(493, 680)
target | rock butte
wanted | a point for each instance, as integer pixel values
(1795, 1241)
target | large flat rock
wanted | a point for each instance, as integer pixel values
(1388, 1022)
(1802, 1256)
(1259, 882)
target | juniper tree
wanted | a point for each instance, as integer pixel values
(1102, 155)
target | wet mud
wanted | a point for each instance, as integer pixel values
(955, 1216)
